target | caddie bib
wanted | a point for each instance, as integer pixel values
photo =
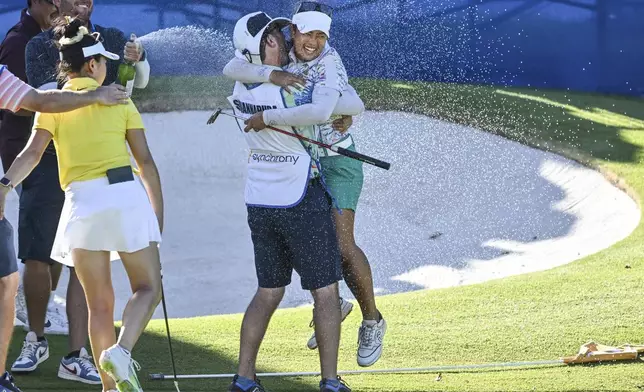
(278, 165)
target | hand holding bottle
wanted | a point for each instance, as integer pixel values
(127, 72)
(133, 50)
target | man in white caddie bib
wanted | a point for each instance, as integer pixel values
(319, 67)
(288, 209)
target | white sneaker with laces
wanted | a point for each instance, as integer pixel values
(18, 323)
(118, 364)
(55, 324)
(345, 307)
(370, 338)
(55, 321)
(21, 306)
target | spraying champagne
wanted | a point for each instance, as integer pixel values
(127, 72)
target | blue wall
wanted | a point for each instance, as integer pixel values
(593, 45)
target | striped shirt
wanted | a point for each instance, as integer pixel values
(12, 90)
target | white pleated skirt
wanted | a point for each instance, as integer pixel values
(98, 216)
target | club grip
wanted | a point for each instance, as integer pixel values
(364, 158)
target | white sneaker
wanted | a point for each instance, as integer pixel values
(370, 339)
(18, 323)
(21, 306)
(345, 307)
(57, 301)
(55, 323)
(118, 364)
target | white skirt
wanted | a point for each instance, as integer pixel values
(98, 216)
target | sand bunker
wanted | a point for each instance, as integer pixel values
(459, 206)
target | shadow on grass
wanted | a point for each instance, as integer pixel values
(153, 354)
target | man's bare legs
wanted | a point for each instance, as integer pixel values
(9, 281)
(56, 271)
(37, 285)
(327, 319)
(258, 316)
(8, 289)
(77, 313)
(38, 280)
(256, 319)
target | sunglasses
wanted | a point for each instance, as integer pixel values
(308, 6)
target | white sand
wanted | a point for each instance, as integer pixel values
(500, 208)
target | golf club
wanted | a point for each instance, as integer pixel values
(339, 150)
(167, 328)
(433, 369)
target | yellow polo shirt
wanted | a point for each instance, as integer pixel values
(90, 140)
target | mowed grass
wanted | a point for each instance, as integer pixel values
(539, 316)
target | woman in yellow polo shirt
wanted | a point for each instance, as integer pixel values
(107, 206)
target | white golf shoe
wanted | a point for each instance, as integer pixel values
(118, 364)
(345, 307)
(370, 339)
(55, 321)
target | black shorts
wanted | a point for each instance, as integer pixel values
(41, 203)
(8, 264)
(301, 238)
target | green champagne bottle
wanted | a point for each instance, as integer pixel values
(127, 72)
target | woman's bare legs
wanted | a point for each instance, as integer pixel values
(355, 266)
(144, 270)
(94, 272)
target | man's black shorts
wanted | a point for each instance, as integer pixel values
(8, 264)
(41, 203)
(301, 238)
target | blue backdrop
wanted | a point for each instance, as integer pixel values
(589, 45)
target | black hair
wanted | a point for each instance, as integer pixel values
(29, 3)
(73, 58)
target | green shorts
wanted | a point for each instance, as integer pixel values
(344, 179)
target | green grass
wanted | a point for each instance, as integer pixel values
(538, 316)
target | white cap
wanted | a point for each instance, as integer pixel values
(311, 21)
(248, 33)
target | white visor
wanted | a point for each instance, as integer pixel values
(312, 21)
(99, 49)
(95, 49)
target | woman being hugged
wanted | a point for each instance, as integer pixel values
(107, 206)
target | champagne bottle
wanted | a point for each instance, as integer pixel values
(127, 71)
